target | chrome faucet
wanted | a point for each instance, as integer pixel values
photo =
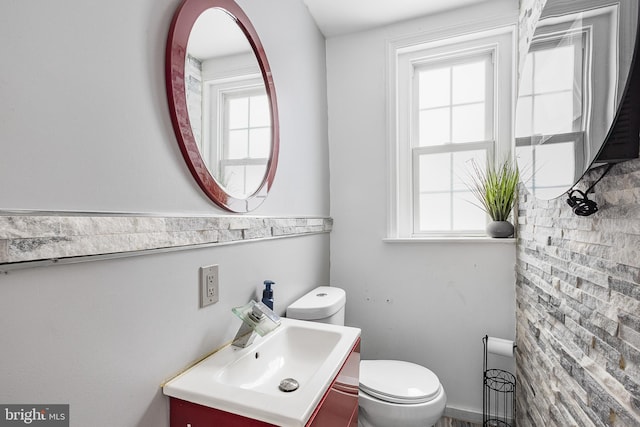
(256, 318)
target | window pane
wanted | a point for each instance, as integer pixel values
(524, 155)
(435, 172)
(444, 194)
(434, 87)
(523, 117)
(233, 180)
(434, 127)
(466, 214)
(260, 111)
(238, 113)
(526, 78)
(463, 167)
(435, 212)
(546, 168)
(254, 176)
(469, 123)
(260, 143)
(553, 113)
(238, 144)
(558, 163)
(554, 69)
(469, 82)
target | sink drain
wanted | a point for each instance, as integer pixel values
(288, 385)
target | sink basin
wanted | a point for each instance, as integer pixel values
(245, 381)
(293, 353)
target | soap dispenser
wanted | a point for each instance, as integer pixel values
(267, 294)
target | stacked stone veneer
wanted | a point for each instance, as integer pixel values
(193, 91)
(578, 307)
(27, 238)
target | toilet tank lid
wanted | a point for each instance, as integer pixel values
(321, 302)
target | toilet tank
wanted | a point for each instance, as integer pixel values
(324, 304)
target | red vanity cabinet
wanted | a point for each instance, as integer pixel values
(338, 407)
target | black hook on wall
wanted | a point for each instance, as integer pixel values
(580, 203)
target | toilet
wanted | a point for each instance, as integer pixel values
(392, 392)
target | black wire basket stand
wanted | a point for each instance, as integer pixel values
(498, 395)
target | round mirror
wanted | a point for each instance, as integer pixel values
(222, 102)
(572, 84)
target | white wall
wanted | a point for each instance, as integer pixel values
(103, 336)
(430, 303)
(84, 125)
(85, 122)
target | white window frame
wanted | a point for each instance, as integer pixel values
(213, 107)
(402, 55)
(419, 64)
(581, 40)
(216, 95)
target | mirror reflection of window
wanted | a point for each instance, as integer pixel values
(552, 158)
(227, 102)
(236, 132)
(551, 120)
(551, 91)
(571, 86)
(246, 126)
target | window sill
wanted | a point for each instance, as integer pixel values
(451, 239)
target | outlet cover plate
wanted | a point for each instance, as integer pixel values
(209, 285)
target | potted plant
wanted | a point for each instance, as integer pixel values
(496, 187)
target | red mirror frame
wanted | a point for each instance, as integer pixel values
(179, 32)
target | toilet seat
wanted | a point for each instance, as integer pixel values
(397, 381)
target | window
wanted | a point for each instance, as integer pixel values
(230, 115)
(453, 120)
(550, 120)
(247, 140)
(451, 109)
(563, 115)
(239, 115)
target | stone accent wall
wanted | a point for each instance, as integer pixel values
(193, 88)
(578, 307)
(29, 238)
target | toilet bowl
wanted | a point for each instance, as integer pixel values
(392, 392)
(397, 393)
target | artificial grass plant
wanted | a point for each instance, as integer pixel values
(495, 187)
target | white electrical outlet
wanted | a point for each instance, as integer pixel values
(209, 285)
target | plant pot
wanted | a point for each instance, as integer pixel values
(500, 229)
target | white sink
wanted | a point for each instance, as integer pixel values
(245, 381)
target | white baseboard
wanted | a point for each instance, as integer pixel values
(463, 414)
